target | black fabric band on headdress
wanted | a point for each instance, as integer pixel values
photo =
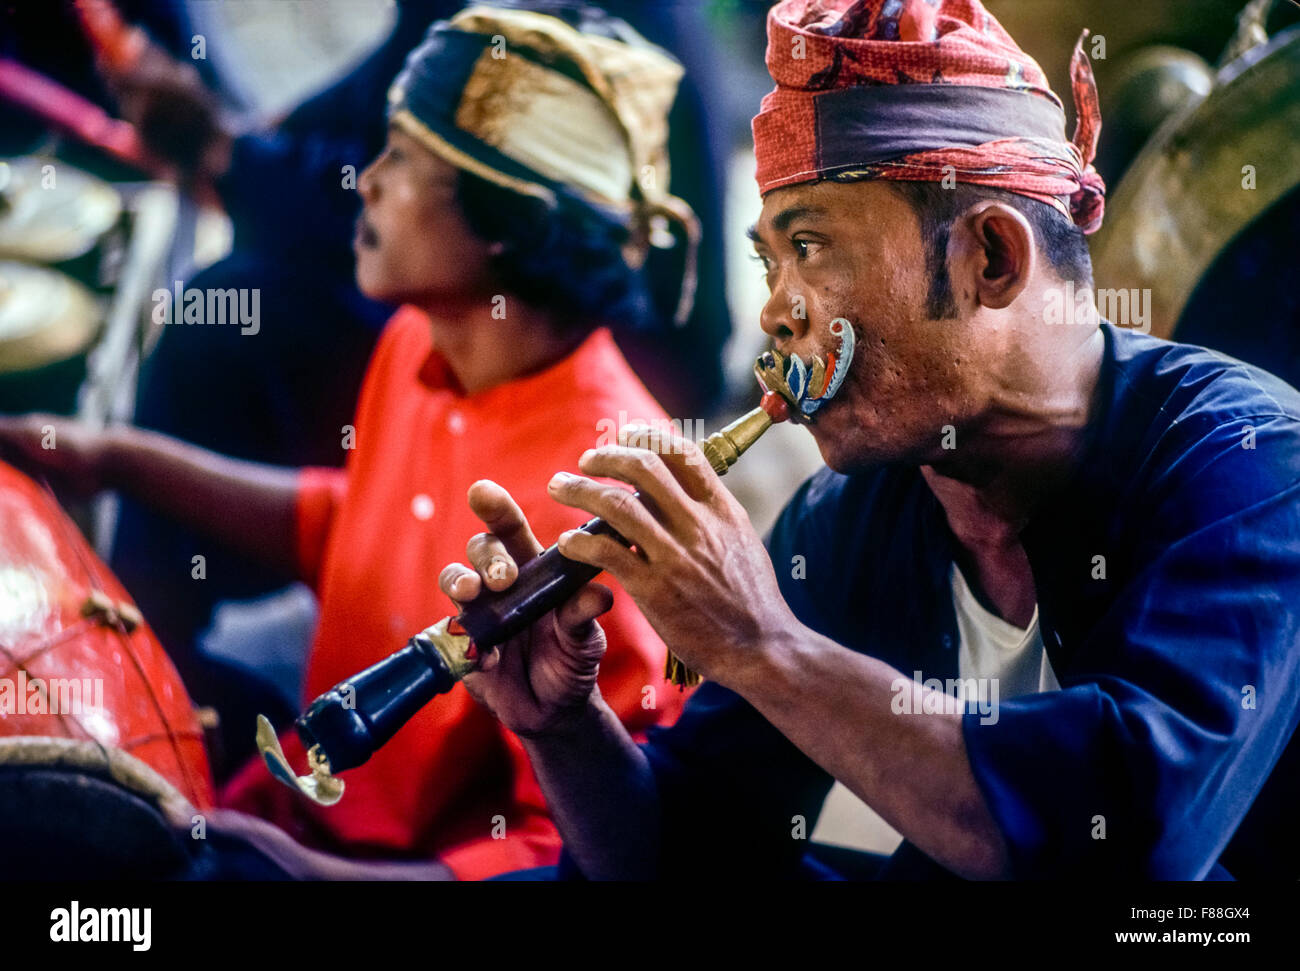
(863, 125)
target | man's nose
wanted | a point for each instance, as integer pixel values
(367, 184)
(785, 315)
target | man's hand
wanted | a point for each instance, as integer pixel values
(698, 572)
(70, 453)
(178, 118)
(543, 680)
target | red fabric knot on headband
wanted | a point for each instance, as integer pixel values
(922, 90)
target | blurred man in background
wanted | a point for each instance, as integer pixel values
(286, 396)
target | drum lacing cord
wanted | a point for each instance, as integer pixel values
(21, 666)
(66, 634)
(115, 620)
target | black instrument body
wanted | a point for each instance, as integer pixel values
(351, 721)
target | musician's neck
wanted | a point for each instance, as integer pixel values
(497, 341)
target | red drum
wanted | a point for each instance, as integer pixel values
(101, 755)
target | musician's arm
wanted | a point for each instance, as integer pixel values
(601, 792)
(246, 506)
(269, 842)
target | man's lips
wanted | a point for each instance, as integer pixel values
(365, 235)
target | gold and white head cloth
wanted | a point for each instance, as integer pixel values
(548, 110)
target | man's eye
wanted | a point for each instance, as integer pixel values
(800, 248)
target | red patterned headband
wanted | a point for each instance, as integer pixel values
(921, 90)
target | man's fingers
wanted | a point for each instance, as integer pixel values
(681, 457)
(604, 552)
(504, 519)
(619, 507)
(488, 555)
(576, 615)
(506, 662)
(644, 469)
(24, 429)
(459, 582)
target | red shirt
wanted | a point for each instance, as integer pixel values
(374, 537)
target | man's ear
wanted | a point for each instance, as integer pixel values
(993, 251)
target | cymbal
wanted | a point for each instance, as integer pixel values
(50, 211)
(45, 317)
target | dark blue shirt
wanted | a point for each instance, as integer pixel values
(1173, 731)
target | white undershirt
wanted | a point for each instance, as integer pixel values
(989, 648)
(995, 648)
